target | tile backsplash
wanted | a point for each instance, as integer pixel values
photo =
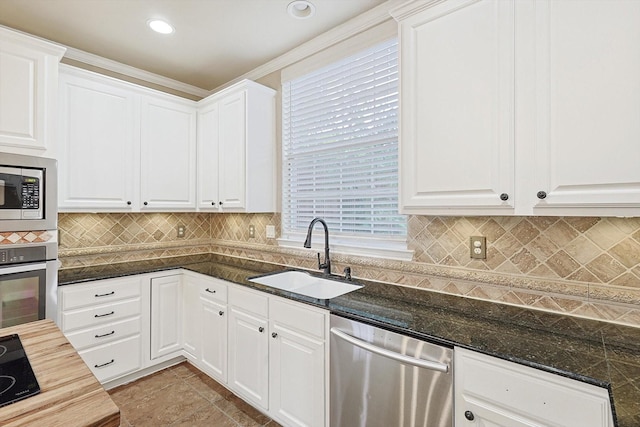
(582, 266)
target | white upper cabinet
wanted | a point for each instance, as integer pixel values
(168, 154)
(28, 88)
(520, 107)
(457, 107)
(122, 147)
(587, 107)
(98, 143)
(236, 149)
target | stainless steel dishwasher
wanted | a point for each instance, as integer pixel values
(381, 378)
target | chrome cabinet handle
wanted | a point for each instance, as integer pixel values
(260, 329)
(104, 364)
(221, 312)
(413, 361)
(210, 291)
(274, 335)
(104, 315)
(106, 295)
(105, 335)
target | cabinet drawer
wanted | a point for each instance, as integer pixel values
(113, 360)
(104, 333)
(99, 315)
(214, 290)
(99, 292)
(493, 385)
(297, 316)
(251, 301)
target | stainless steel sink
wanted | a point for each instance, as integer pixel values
(304, 283)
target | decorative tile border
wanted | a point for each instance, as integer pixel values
(19, 237)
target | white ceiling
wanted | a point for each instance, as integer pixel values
(215, 41)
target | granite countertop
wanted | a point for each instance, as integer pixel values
(600, 353)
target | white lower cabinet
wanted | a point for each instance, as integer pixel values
(297, 362)
(166, 315)
(213, 351)
(102, 320)
(491, 392)
(268, 350)
(249, 346)
(205, 324)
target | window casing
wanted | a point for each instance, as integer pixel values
(340, 152)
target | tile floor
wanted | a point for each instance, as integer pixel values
(183, 396)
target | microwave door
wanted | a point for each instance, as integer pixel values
(10, 187)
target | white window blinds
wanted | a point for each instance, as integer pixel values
(340, 146)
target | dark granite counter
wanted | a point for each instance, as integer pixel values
(600, 353)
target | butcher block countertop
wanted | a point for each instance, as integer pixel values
(69, 393)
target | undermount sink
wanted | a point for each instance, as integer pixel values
(304, 283)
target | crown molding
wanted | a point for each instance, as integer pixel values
(136, 73)
(360, 23)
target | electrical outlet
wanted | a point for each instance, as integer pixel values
(252, 231)
(478, 247)
(181, 229)
(271, 231)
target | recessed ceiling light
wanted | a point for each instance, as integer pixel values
(301, 9)
(160, 26)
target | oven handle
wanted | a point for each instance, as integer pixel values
(413, 361)
(22, 268)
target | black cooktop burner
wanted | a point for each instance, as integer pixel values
(17, 380)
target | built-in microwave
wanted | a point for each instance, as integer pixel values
(28, 193)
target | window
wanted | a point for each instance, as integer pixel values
(340, 150)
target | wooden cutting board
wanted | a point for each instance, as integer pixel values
(70, 395)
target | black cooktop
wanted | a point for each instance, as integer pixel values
(17, 380)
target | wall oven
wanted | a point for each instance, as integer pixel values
(28, 193)
(27, 283)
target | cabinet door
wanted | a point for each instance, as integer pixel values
(208, 159)
(587, 105)
(98, 144)
(457, 84)
(248, 356)
(166, 315)
(168, 139)
(192, 323)
(232, 150)
(213, 354)
(297, 377)
(28, 85)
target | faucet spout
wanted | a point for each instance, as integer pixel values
(326, 266)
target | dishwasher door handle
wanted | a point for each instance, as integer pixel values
(413, 361)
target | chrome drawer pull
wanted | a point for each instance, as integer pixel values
(105, 295)
(106, 335)
(210, 291)
(104, 364)
(103, 315)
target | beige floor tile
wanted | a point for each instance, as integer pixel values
(183, 396)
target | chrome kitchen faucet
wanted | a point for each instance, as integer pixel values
(326, 266)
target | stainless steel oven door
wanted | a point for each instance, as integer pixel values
(24, 293)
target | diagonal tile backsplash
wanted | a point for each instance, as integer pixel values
(582, 266)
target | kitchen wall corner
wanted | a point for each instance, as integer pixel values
(587, 267)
